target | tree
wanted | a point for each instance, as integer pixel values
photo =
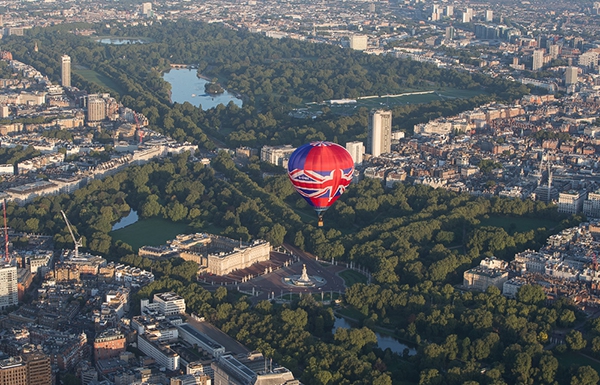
(548, 367)
(531, 294)
(276, 234)
(585, 375)
(151, 207)
(575, 340)
(323, 377)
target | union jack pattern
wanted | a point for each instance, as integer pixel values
(327, 185)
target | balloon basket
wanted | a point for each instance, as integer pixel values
(320, 222)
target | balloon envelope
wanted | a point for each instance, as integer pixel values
(320, 172)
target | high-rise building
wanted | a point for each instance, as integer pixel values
(8, 286)
(96, 108)
(449, 11)
(39, 370)
(538, 59)
(13, 371)
(66, 71)
(554, 50)
(435, 12)
(147, 9)
(571, 75)
(450, 33)
(359, 42)
(380, 132)
(356, 150)
(467, 15)
(489, 15)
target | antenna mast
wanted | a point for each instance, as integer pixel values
(77, 243)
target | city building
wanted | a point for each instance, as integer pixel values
(588, 59)
(571, 75)
(435, 14)
(190, 379)
(467, 15)
(96, 108)
(66, 71)
(278, 155)
(194, 337)
(538, 59)
(166, 304)
(571, 202)
(13, 371)
(480, 278)
(162, 353)
(109, 344)
(359, 42)
(554, 51)
(230, 371)
(147, 9)
(449, 36)
(512, 286)
(239, 257)
(356, 150)
(449, 10)
(379, 139)
(8, 286)
(591, 206)
(39, 369)
(489, 15)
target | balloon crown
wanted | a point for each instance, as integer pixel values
(321, 143)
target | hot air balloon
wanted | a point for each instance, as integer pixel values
(320, 172)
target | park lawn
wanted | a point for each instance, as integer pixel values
(573, 358)
(436, 95)
(101, 80)
(521, 224)
(150, 232)
(456, 93)
(351, 277)
(351, 313)
(146, 40)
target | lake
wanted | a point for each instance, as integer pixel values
(130, 219)
(383, 341)
(186, 86)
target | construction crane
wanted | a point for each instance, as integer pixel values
(77, 243)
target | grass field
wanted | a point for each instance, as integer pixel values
(101, 80)
(517, 224)
(351, 277)
(570, 358)
(143, 39)
(351, 313)
(441, 95)
(151, 232)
